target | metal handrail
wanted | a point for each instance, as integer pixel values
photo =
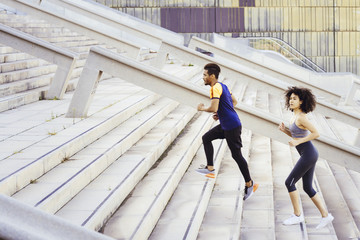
(278, 45)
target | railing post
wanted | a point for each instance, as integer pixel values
(84, 91)
(61, 78)
(351, 95)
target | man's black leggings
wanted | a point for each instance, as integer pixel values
(304, 168)
(233, 139)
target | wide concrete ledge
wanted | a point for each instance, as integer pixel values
(20, 221)
(64, 59)
(142, 30)
(257, 79)
(84, 25)
(259, 121)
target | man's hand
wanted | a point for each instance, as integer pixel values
(200, 107)
(215, 116)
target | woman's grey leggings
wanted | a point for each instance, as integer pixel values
(304, 168)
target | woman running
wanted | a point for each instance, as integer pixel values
(301, 101)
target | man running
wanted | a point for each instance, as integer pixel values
(222, 106)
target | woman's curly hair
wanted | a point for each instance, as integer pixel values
(305, 95)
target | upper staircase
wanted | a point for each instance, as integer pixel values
(126, 170)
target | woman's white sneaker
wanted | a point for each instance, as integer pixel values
(325, 221)
(293, 219)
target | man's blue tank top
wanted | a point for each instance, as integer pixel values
(227, 115)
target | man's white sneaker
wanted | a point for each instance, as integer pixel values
(293, 219)
(325, 221)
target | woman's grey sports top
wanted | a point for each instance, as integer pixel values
(297, 132)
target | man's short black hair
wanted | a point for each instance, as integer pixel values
(213, 68)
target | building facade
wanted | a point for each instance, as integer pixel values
(325, 31)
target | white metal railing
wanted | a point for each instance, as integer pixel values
(64, 59)
(278, 45)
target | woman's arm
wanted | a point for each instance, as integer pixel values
(284, 129)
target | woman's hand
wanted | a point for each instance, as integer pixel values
(294, 142)
(282, 127)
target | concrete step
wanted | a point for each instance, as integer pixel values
(311, 213)
(75, 44)
(348, 190)
(63, 137)
(238, 90)
(22, 64)
(57, 186)
(222, 218)
(116, 182)
(48, 32)
(26, 73)
(338, 130)
(355, 176)
(262, 100)
(179, 69)
(11, 88)
(26, 24)
(139, 213)
(282, 166)
(185, 211)
(19, 99)
(260, 166)
(249, 96)
(344, 132)
(63, 38)
(276, 106)
(16, 100)
(5, 49)
(13, 57)
(85, 48)
(258, 215)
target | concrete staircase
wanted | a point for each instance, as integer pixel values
(25, 79)
(127, 170)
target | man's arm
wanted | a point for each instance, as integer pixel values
(234, 100)
(214, 106)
